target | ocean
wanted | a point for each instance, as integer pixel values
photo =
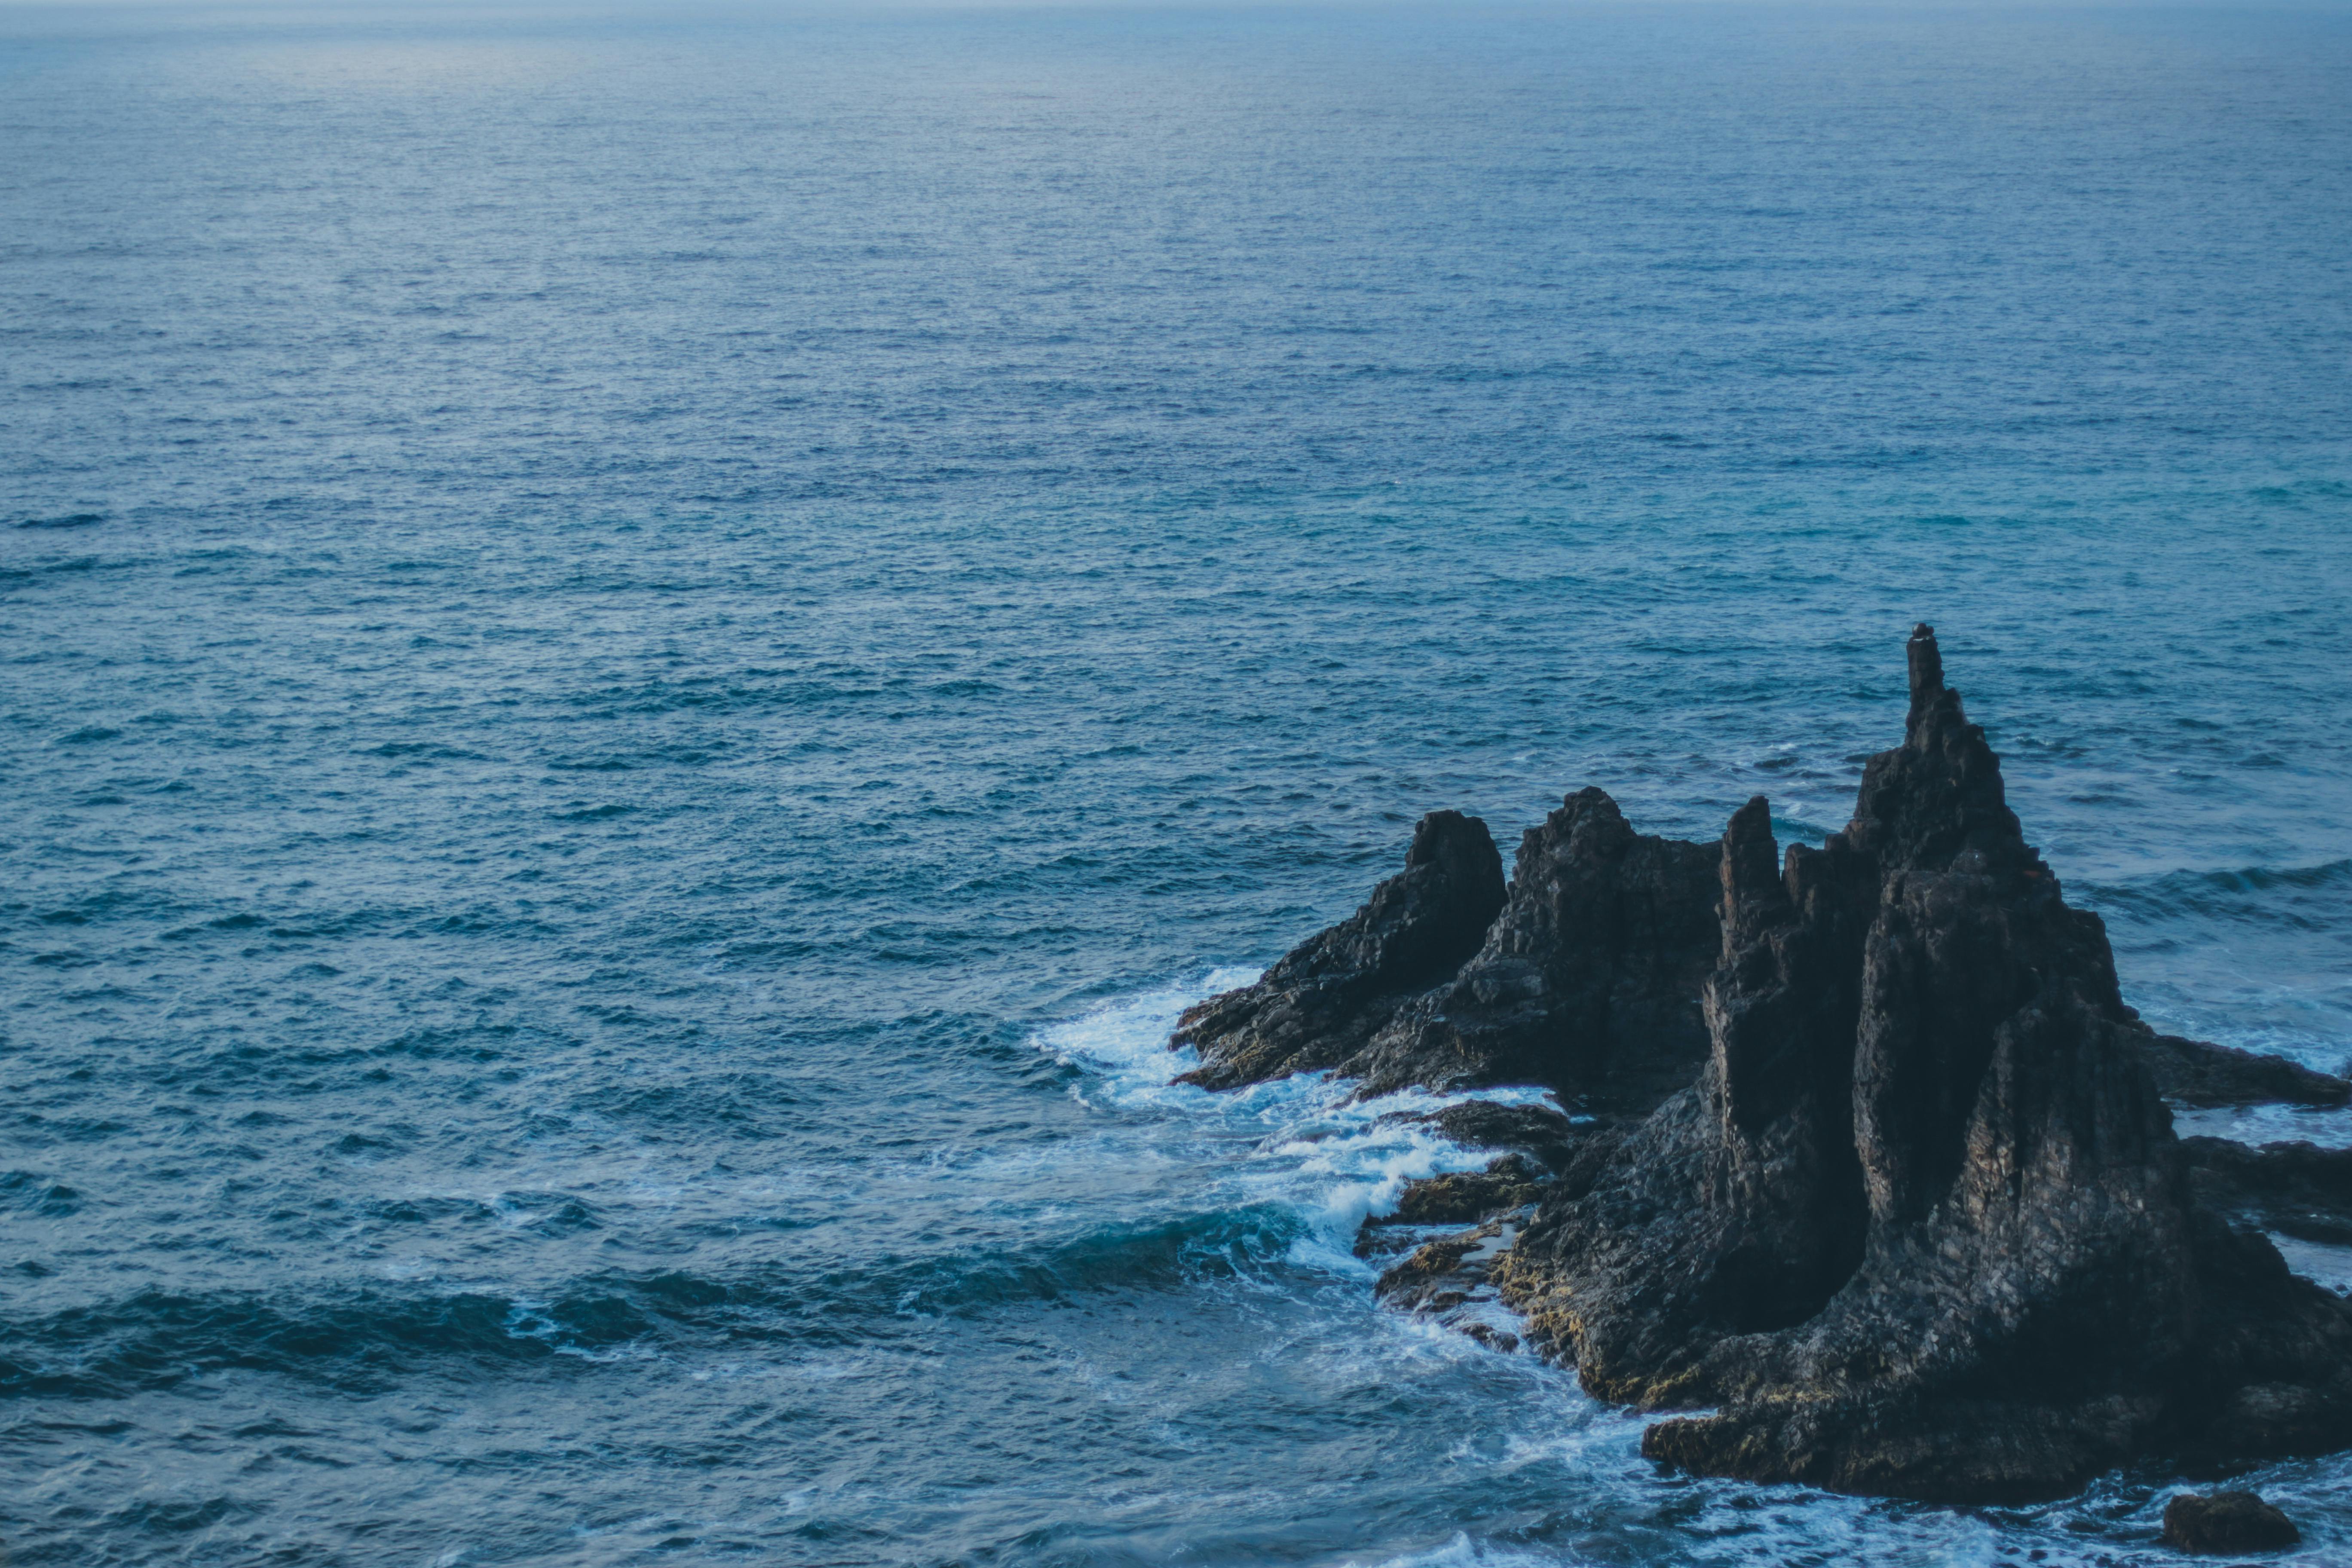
(646, 654)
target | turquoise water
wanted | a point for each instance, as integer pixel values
(647, 657)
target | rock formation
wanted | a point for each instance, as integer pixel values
(1324, 1002)
(1587, 980)
(1544, 1135)
(1908, 1215)
(2297, 1189)
(2195, 1073)
(1922, 1225)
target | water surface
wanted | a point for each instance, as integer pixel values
(644, 660)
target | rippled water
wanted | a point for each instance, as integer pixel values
(644, 661)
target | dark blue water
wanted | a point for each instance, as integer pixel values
(645, 660)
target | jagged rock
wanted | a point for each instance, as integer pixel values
(1588, 982)
(1542, 1134)
(1465, 1197)
(1584, 975)
(2227, 1524)
(2297, 1188)
(2196, 1073)
(1455, 1197)
(1452, 1279)
(1324, 1001)
(1921, 1226)
(1877, 1165)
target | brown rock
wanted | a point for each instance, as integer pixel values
(2227, 1524)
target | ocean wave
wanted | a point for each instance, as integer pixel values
(1292, 1169)
(363, 1336)
(1307, 1145)
(2306, 897)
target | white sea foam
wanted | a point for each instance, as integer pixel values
(1462, 1552)
(1302, 1143)
(1302, 1140)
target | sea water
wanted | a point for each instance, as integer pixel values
(646, 655)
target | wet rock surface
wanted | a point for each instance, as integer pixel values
(1881, 1180)
(2227, 1524)
(2298, 1189)
(1544, 1135)
(2196, 1073)
(1455, 1280)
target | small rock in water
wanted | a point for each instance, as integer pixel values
(2226, 1524)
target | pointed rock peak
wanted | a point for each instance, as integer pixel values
(1927, 661)
(1592, 800)
(1927, 673)
(1939, 793)
(1751, 858)
(1587, 826)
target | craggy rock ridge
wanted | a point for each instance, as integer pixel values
(1922, 1227)
(2296, 1189)
(1874, 1165)
(1585, 978)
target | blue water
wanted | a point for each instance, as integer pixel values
(645, 659)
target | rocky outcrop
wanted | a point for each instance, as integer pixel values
(1465, 1197)
(2296, 1189)
(1921, 1226)
(2198, 1074)
(1873, 1170)
(1586, 976)
(1322, 1003)
(1544, 1135)
(1586, 981)
(1454, 1280)
(1542, 1143)
(2227, 1524)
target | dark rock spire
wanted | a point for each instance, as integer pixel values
(1922, 1227)
(1927, 672)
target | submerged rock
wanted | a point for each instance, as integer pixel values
(2227, 1524)
(1879, 1172)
